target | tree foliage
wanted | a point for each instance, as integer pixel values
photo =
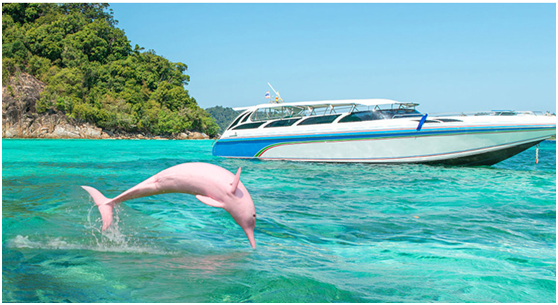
(93, 74)
(223, 116)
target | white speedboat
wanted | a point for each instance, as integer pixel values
(380, 131)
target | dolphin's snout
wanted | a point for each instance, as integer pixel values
(251, 239)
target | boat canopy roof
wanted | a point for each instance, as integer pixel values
(334, 103)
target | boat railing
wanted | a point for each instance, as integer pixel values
(299, 112)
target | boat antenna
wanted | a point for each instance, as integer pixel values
(279, 100)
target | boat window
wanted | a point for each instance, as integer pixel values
(267, 114)
(503, 112)
(428, 121)
(362, 116)
(400, 113)
(326, 119)
(409, 115)
(449, 120)
(245, 119)
(249, 126)
(282, 123)
(237, 120)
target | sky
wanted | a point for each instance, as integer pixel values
(446, 57)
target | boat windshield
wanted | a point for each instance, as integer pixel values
(266, 114)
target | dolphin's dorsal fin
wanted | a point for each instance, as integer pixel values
(210, 201)
(235, 182)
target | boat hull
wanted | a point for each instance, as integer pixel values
(451, 145)
(486, 158)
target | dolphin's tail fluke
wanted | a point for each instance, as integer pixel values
(104, 205)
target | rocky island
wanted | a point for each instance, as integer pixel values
(69, 72)
(21, 120)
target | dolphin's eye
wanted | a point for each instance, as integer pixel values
(254, 215)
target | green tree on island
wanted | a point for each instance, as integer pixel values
(92, 72)
(223, 115)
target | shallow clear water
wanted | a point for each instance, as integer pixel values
(325, 232)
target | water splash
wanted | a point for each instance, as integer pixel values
(112, 240)
(59, 243)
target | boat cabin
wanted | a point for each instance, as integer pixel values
(322, 112)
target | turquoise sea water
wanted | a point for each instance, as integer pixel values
(325, 232)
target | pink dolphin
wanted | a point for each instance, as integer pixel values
(211, 184)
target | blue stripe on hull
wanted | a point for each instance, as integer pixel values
(242, 149)
(249, 147)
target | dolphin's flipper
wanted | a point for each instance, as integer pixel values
(235, 182)
(103, 204)
(210, 201)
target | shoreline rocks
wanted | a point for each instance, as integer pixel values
(47, 128)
